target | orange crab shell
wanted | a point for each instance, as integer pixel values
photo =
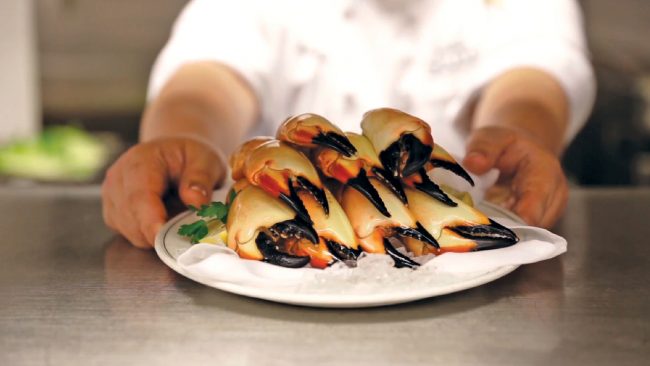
(272, 163)
(370, 225)
(384, 126)
(251, 211)
(335, 165)
(238, 158)
(301, 129)
(437, 218)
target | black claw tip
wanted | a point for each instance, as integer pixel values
(492, 236)
(342, 253)
(418, 154)
(273, 255)
(394, 184)
(362, 184)
(418, 233)
(296, 204)
(318, 193)
(454, 168)
(400, 259)
(336, 142)
(297, 228)
(427, 186)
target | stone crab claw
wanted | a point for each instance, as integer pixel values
(456, 229)
(337, 241)
(422, 182)
(281, 171)
(374, 229)
(404, 142)
(311, 130)
(355, 170)
(238, 158)
(440, 158)
(264, 228)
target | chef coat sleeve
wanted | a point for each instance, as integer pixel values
(228, 32)
(544, 34)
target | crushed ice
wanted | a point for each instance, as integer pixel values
(375, 274)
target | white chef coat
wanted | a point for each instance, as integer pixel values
(340, 58)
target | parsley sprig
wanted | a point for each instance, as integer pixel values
(198, 230)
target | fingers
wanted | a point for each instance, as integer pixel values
(484, 148)
(131, 196)
(538, 183)
(204, 170)
(535, 185)
(117, 213)
(142, 195)
(134, 186)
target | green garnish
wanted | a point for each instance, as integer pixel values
(195, 231)
(215, 211)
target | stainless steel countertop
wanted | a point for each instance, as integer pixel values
(73, 293)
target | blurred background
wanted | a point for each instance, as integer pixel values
(85, 64)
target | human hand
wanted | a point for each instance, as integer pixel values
(134, 186)
(531, 182)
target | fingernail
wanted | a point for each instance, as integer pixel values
(199, 189)
(475, 155)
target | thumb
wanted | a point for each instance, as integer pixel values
(484, 147)
(204, 171)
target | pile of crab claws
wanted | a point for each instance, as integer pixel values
(285, 215)
(418, 154)
(401, 260)
(491, 236)
(363, 185)
(429, 187)
(335, 141)
(273, 255)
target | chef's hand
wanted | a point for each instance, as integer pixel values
(531, 181)
(134, 186)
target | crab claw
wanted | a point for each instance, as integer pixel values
(281, 171)
(261, 227)
(311, 130)
(400, 260)
(373, 228)
(456, 229)
(403, 141)
(422, 182)
(273, 255)
(334, 230)
(238, 158)
(354, 170)
(363, 185)
(440, 158)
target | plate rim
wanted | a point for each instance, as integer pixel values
(332, 300)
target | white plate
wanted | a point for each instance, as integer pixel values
(169, 246)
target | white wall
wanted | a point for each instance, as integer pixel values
(19, 106)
